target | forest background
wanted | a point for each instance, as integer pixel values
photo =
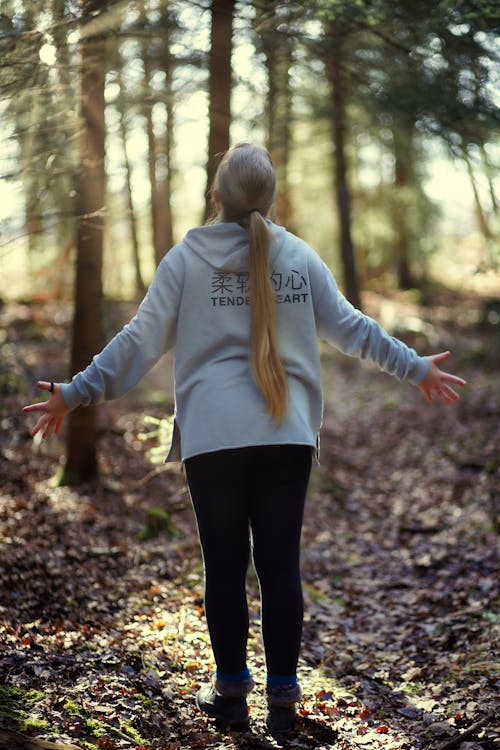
(382, 120)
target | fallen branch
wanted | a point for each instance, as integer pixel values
(16, 741)
(461, 736)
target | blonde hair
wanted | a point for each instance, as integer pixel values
(244, 190)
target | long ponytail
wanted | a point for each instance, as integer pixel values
(265, 361)
(243, 190)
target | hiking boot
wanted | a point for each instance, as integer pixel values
(282, 711)
(226, 702)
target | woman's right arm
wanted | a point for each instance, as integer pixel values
(137, 347)
(127, 357)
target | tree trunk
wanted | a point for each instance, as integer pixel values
(481, 216)
(489, 173)
(342, 192)
(166, 230)
(403, 183)
(278, 51)
(140, 287)
(219, 88)
(28, 114)
(81, 454)
(158, 249)
(63, 184)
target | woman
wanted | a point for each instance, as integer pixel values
(244, 302)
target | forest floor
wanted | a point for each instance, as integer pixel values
(103, 641)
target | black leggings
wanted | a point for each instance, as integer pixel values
(261, 490)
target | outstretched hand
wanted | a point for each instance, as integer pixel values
(53, 411)
(436, 382)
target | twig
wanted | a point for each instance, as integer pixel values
(459, 738)
(151, 475)
(421, 529)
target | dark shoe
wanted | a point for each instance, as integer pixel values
(229, 710)
(282, 711)
(280, 719)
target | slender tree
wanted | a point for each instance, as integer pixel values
(148, 103)
(219, 87)
(482, 220)
(27, 106)
(335, 68)
(81, 454)
(167, 63)
(278, 48)
(140, 286)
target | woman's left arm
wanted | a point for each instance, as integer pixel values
(358, 335)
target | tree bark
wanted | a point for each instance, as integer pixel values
(278, 51)
(489, 173)
(219, 88)
(158, 248)
(342, 192)
(140, 287)
(166, 229)
(481, 216)
(404, 179)
(81, 454)
(27, 108)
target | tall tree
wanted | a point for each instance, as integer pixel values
(148, 103)
(274, 37)
(140, 287)
(167, 63)
(219, 85)
(335, 68)
(81, 455)
(27, 105)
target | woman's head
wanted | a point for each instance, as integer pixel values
(245, 180)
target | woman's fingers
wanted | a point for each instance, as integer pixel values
(35, 407)
(436, 383)
(44, 385)
(445, 393)
(452, 378)
(49, 426)
(52, 411)
(38, 426)
(45, 423)
(440, 357)
(448, 395)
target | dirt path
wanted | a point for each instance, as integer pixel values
(102, 635)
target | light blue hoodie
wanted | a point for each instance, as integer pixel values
(198, 302)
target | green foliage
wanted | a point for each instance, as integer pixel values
(158, 437)
(158, 522)
(413, 72)
(74, 708)
(16, 705)
(432, 65)
(68, 476)
(31, 725)
(96, 727)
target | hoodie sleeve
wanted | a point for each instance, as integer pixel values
(356, 334)
(138, 346)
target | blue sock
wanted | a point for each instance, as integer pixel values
(234, 676)
(281, 680)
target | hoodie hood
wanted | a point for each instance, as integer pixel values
(224, 245)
